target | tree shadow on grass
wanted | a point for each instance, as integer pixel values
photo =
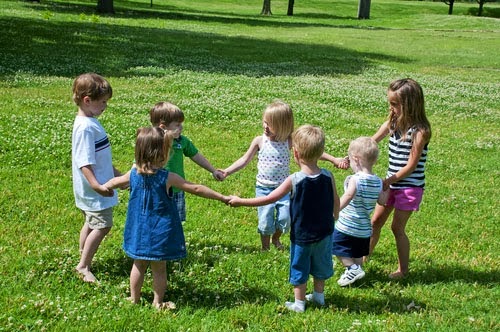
(135, 10)
(52, 48)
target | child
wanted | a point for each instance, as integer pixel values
(409, 134)
(314, 207)
(273, 167)
(153, 231)
(169, 117)
(91, 167)
(351, 237)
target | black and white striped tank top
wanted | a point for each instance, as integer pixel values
(399, 152)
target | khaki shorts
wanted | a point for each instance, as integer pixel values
(99, 219)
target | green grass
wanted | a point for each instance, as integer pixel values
(222, 63)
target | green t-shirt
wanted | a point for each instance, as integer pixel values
(181, 147)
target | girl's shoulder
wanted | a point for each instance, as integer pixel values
(420, 133)
(258, 140)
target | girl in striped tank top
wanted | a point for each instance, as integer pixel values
(409, 134)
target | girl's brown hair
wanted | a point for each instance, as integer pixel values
(411, 98)
(152, 149)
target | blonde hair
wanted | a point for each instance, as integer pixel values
(279, 116)
(365, 148)
(411, 98)
(309, 142)
(91, 85)
(152, 149)
(163, 113)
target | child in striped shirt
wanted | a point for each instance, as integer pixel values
(351, 236)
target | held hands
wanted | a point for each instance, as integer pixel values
(225, 199)
(104, 191)
(234, 201)
(385, 184)
(342, 163)
(219, 175)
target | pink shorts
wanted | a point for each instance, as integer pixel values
(407, 199)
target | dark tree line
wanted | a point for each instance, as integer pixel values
(106, 6)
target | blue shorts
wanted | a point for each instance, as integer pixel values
(180, 202)
(275, 216)
(349, 246)
(311, 259)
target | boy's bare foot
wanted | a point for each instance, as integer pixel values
(86, 275)
(165, 306)
(131, 300)
(278, 245)
(397, 275)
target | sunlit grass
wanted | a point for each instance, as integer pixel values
(222, 63)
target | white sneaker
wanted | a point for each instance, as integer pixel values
(351, 275)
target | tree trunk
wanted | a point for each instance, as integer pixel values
(450, 6)
(266, 8)
(105, 6)
(364, 9)
(480, 11)
(290, 7)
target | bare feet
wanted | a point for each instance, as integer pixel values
(397, 275)
(131, 300)
(165, 306)
(86, 275)
(278, 245)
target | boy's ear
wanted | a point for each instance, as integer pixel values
(296, 153)
(162, 126)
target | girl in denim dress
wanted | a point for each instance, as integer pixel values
(153, 231)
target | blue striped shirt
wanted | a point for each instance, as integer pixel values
(354, 219)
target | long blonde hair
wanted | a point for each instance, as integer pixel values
(411, 97)
(279, 116)
(152, 149)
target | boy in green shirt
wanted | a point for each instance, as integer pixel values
(169, 117)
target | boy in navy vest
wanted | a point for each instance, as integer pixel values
(314, 206)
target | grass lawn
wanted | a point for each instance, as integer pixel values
(222, 63)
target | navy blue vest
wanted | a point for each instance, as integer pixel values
(311, 207)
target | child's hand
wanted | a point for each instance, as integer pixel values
(342, 163)
(385, 185)
(234, 201)
(105, 191)
(225, 199)
(224, 173)
(219, 175)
